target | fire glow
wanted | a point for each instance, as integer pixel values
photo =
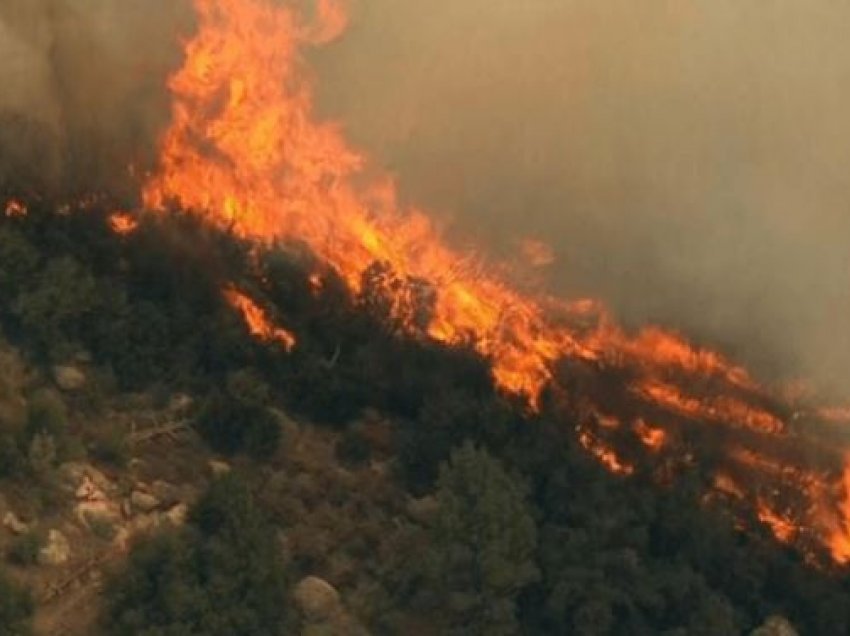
(257, 321)
(245, 151)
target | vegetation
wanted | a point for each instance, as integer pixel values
(222, 576)
(483, 543)
(530, 536)
(15, 608)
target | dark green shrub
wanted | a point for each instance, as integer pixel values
(223, 575)
(16, 607)
(12, 460)
(23, 551)
(353, 449)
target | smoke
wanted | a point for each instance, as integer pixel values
(83, 88)
(685, 160)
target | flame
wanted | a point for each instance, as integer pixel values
(839, 523)
(123, 223)
(783, 528)
(15, 208)
(653, 438)
(607, 456)
(245, 151)
(258, 323)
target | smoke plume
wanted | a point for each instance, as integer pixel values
(685, 160)
(84, 88)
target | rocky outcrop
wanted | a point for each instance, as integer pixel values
(56, 550)
(775, 626)
(13, 524)
(69, 379)
(218, 468)
(143, 502)
(317, 599)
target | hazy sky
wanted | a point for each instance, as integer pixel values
(685, 159)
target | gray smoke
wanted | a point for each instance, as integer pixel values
(83, 87)
(686, 160)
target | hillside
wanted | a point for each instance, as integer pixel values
(131, 382)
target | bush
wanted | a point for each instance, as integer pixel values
(110, 444)
(23, 551)
(16, 608)
(353, 449)
(12, 460)
(223, 575)
(239, 419)
(55, 307)
(46, 414)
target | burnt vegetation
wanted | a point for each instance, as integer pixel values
(532, 534)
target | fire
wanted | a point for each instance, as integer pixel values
(245, 151)
(652, 437)
(123, 223)
(783, 528)
(839, 535)
(604, 454)
(15, 208)
(258, 323)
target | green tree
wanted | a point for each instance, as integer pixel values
(222, 576)
(484, 540)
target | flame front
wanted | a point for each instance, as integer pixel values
(245, 151)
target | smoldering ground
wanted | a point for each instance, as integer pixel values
(684, 159)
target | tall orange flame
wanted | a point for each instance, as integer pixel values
(245, 151)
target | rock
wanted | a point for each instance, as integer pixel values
(56, 551)
(178, 514)
(84, 479)
(180, 403)
(69, 378)
(775, 626)
(144, 501)
(13, 524)
(423, 510)
(218, 468)
(317, 599)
